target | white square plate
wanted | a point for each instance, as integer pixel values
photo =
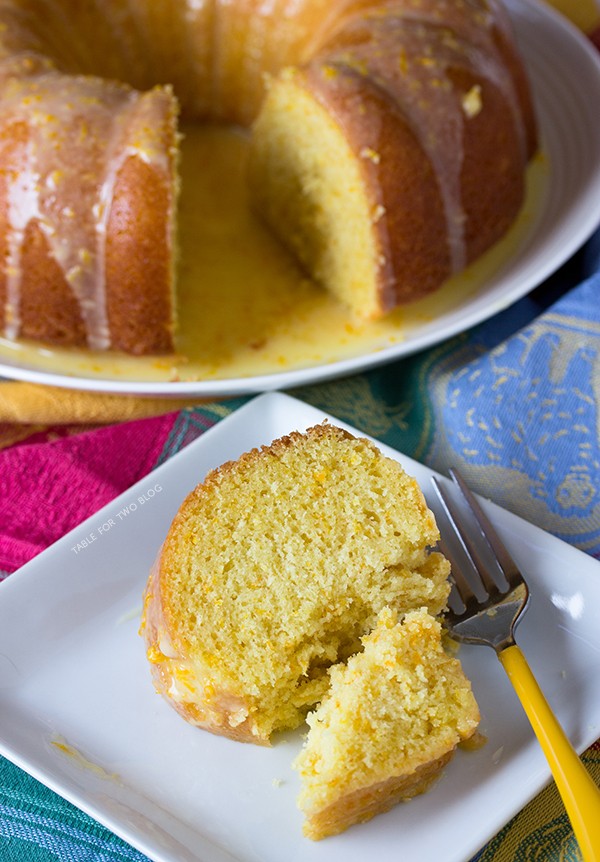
(73, 672)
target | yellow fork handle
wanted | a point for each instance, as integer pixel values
(576, 786)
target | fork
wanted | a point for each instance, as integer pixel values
(488, 598)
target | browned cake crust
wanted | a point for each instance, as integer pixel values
(434, 103)
(138, 262)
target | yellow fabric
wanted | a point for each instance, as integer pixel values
(32, 404)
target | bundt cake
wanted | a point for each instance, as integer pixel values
(299, 577)
(274, 568)
(397, 155)
(390, 722)
(384, 120)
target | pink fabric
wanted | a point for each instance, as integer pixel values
(48, 433)
(46, 489)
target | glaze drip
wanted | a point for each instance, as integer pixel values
(410, 57)
(81, 130)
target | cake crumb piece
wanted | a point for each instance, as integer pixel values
(472, 102)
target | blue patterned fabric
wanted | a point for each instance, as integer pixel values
(514, 404)
(521, 419)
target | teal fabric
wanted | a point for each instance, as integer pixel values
(36, 825)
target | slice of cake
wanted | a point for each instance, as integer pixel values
(274, 569)
(390, 722)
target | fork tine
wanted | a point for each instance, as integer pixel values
(470, 549)
(461, 587)
(506, 563)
